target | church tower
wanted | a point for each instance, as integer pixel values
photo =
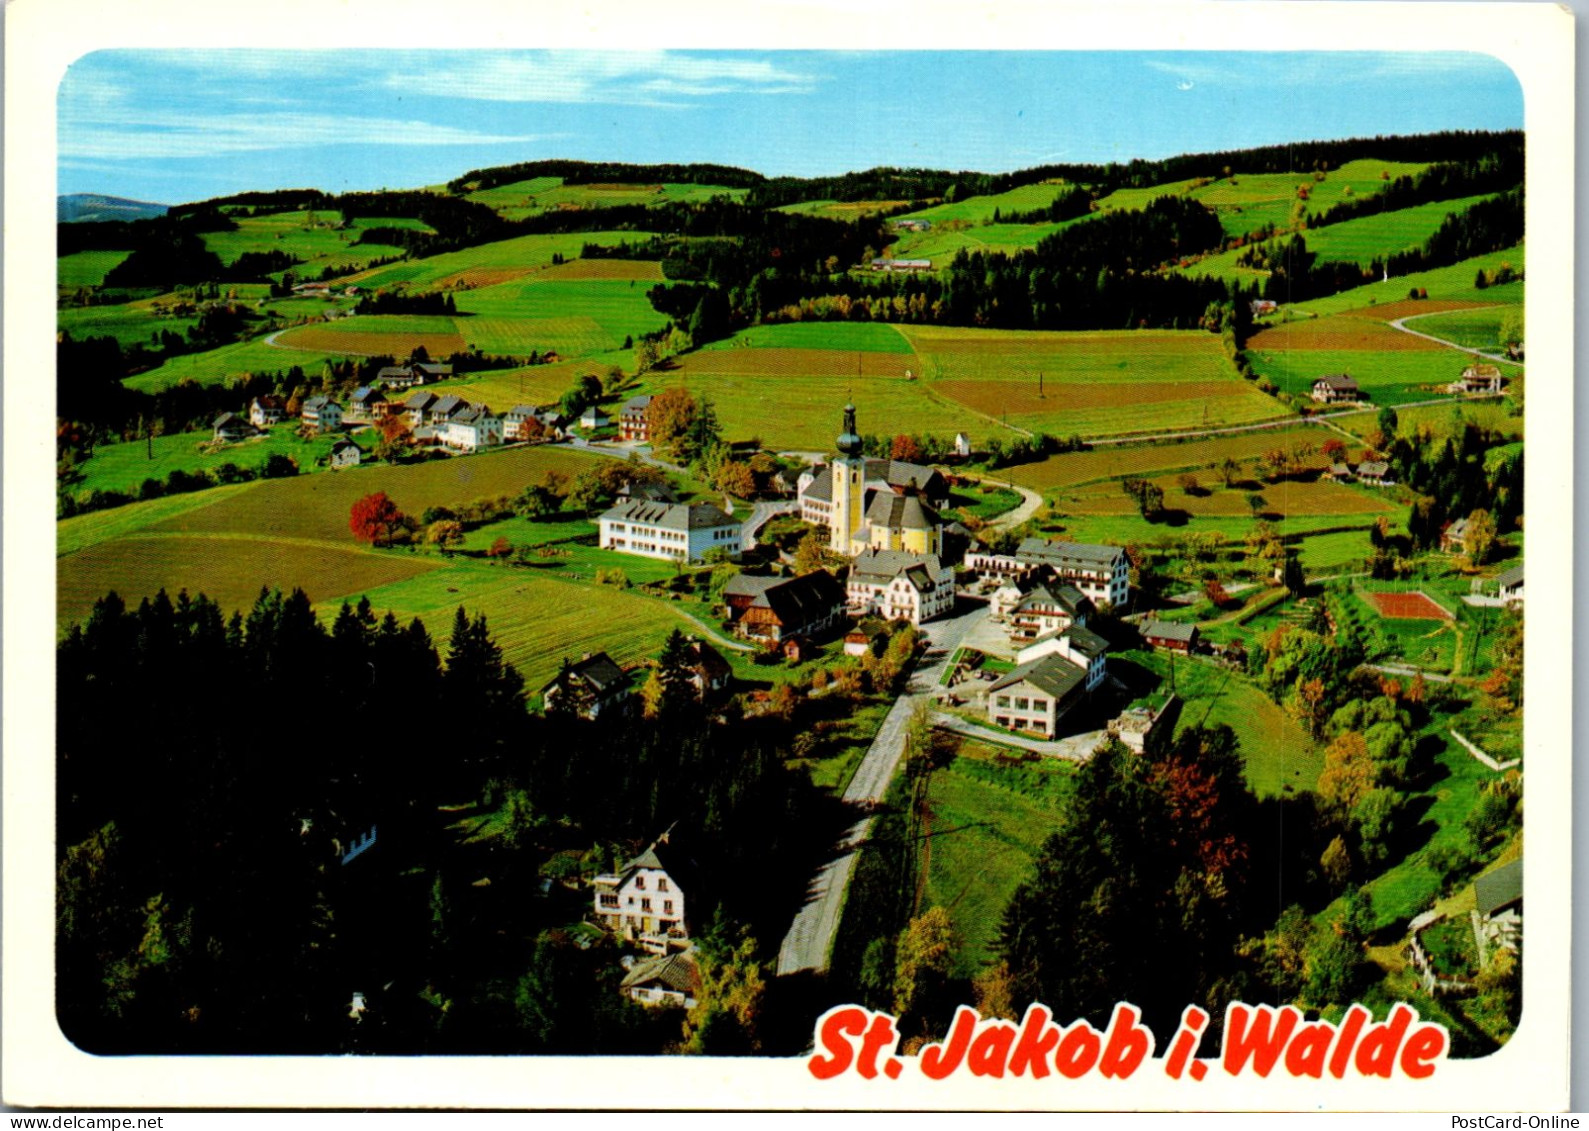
(849, 487)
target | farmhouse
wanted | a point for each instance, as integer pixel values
(901, 265)
(345, 453)
(1377, 473)
(1340, 472)
(444, 408)
(1035, 696)
(647, 492)
(593, 685)
(366, 404)
(664, 980)
(1336, 387)
(1262, 306)
(1103, 573)
(1169, 635)
(1509, 586)
(909, 224)
(229, 428)
(265, 411)
(633, 423)
(1046, 609)
(1454, 537)
(644, 903)
(775, 608)
(322, 414)
(471, 428)
(408, 376)
(1479, 378)
(900, 586)
(685, 531)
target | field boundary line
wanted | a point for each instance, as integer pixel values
(1398, 323)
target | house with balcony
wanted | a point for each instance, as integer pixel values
(899, 586)
(643, 903)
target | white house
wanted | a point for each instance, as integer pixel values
(593, 418)
(1081, 646)
(1046, 609)
(962, 445)
(345, 453)
(685, 531)
(1035, 696)
(515, 421)
(1103, 573)
(472, 428)
(322, 414)
(899, 586)
(265, 411)
(643, 903)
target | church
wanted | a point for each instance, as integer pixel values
(876, 504)
(881, 512)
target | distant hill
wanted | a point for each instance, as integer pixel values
(83, 207)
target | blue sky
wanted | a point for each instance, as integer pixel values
(182, 125)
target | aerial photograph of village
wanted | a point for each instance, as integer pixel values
(618, 553)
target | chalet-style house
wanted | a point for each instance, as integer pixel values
(1340, 472)
(1336, 387)
(322, 414)
(685, 531)
(345, 453)
(664, 980)
(367, 404)
(593, 418)
(899, 586)
(1046, 609)
(230, 428)
(444, 408)
(1169, 635)
(774, 609)
(1376, 473)
(265, 411)
(1479, 378)
(901, 265)
(1103, 573)
(595, 681)
(911, 224)
(1454, 536)
(416, 409)
(633, 423)
(1509, 586)
(644, 903)
(1262, 306)
(472, 428)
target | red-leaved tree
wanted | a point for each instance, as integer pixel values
(374, 518)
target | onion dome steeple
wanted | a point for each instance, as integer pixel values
(850, 441)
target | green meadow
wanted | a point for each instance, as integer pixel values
(86, 268)
(1454, 282)
(1478, 329)
(540, 194)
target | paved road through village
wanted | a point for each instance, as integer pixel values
(810, 938)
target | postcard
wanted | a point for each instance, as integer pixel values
(968, 557)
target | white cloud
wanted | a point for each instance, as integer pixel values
(164, 135)
(625, 77)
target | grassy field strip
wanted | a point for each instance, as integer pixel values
(85, 530)
(1454, 282)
